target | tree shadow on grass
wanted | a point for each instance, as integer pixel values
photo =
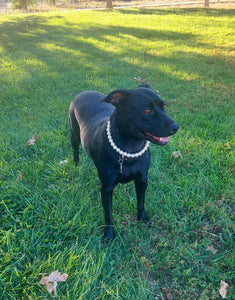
(76, 53)
(57, 61)
(71, 48)
(211, 12)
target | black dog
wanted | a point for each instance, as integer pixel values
(117, 139)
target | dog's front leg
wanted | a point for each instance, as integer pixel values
(106, 198)
(140, 188)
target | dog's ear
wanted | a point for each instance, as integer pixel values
(117, 97)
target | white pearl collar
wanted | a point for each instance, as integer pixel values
(123, 153)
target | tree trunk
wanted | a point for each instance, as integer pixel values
(23, 4)
(109, 4)
(206, 4)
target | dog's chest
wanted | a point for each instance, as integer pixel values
(127, 170)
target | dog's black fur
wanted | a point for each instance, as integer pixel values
(135, 116)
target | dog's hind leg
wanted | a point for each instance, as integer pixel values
(74, 137)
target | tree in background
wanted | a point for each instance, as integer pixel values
(109, 4)
(24, 4)
(21, 4)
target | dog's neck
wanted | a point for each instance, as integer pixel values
(131, 148)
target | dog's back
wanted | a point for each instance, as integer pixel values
(90, 108)
(87, 114)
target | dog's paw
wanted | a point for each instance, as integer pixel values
(109, 234)
(142, 216)
(76, 158)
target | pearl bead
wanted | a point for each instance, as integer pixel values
(123, 153)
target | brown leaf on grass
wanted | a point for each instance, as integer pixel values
(20, 176)
(51, 281)
(63, 162)
(223, 288)
(144, 261)
(139, 80)
(212, 249)
(227, 146)
(168, 296)
(32, 140)
(176, 154)
(166, 293)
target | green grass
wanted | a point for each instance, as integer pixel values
(51, 218)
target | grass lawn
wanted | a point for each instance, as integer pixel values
(51, 215)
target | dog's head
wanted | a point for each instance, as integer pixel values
(141, 113)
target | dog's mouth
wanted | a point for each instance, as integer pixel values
(155, 139)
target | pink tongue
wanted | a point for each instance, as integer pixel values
(159, 139)
(164, 139)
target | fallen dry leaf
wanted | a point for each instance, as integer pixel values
(144, 261)
(63, 162)
(51, 281)
(51, 186)
(138, 79)
(212, 249)
(20, 176)
(176, 154)
(223, 288)
(32, 140)
(227, 146)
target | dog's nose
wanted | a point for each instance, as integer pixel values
(173, 128)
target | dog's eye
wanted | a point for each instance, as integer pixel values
(147, 111)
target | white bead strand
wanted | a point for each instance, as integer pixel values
(123, 153)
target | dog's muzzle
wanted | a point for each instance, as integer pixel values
(162, 140)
